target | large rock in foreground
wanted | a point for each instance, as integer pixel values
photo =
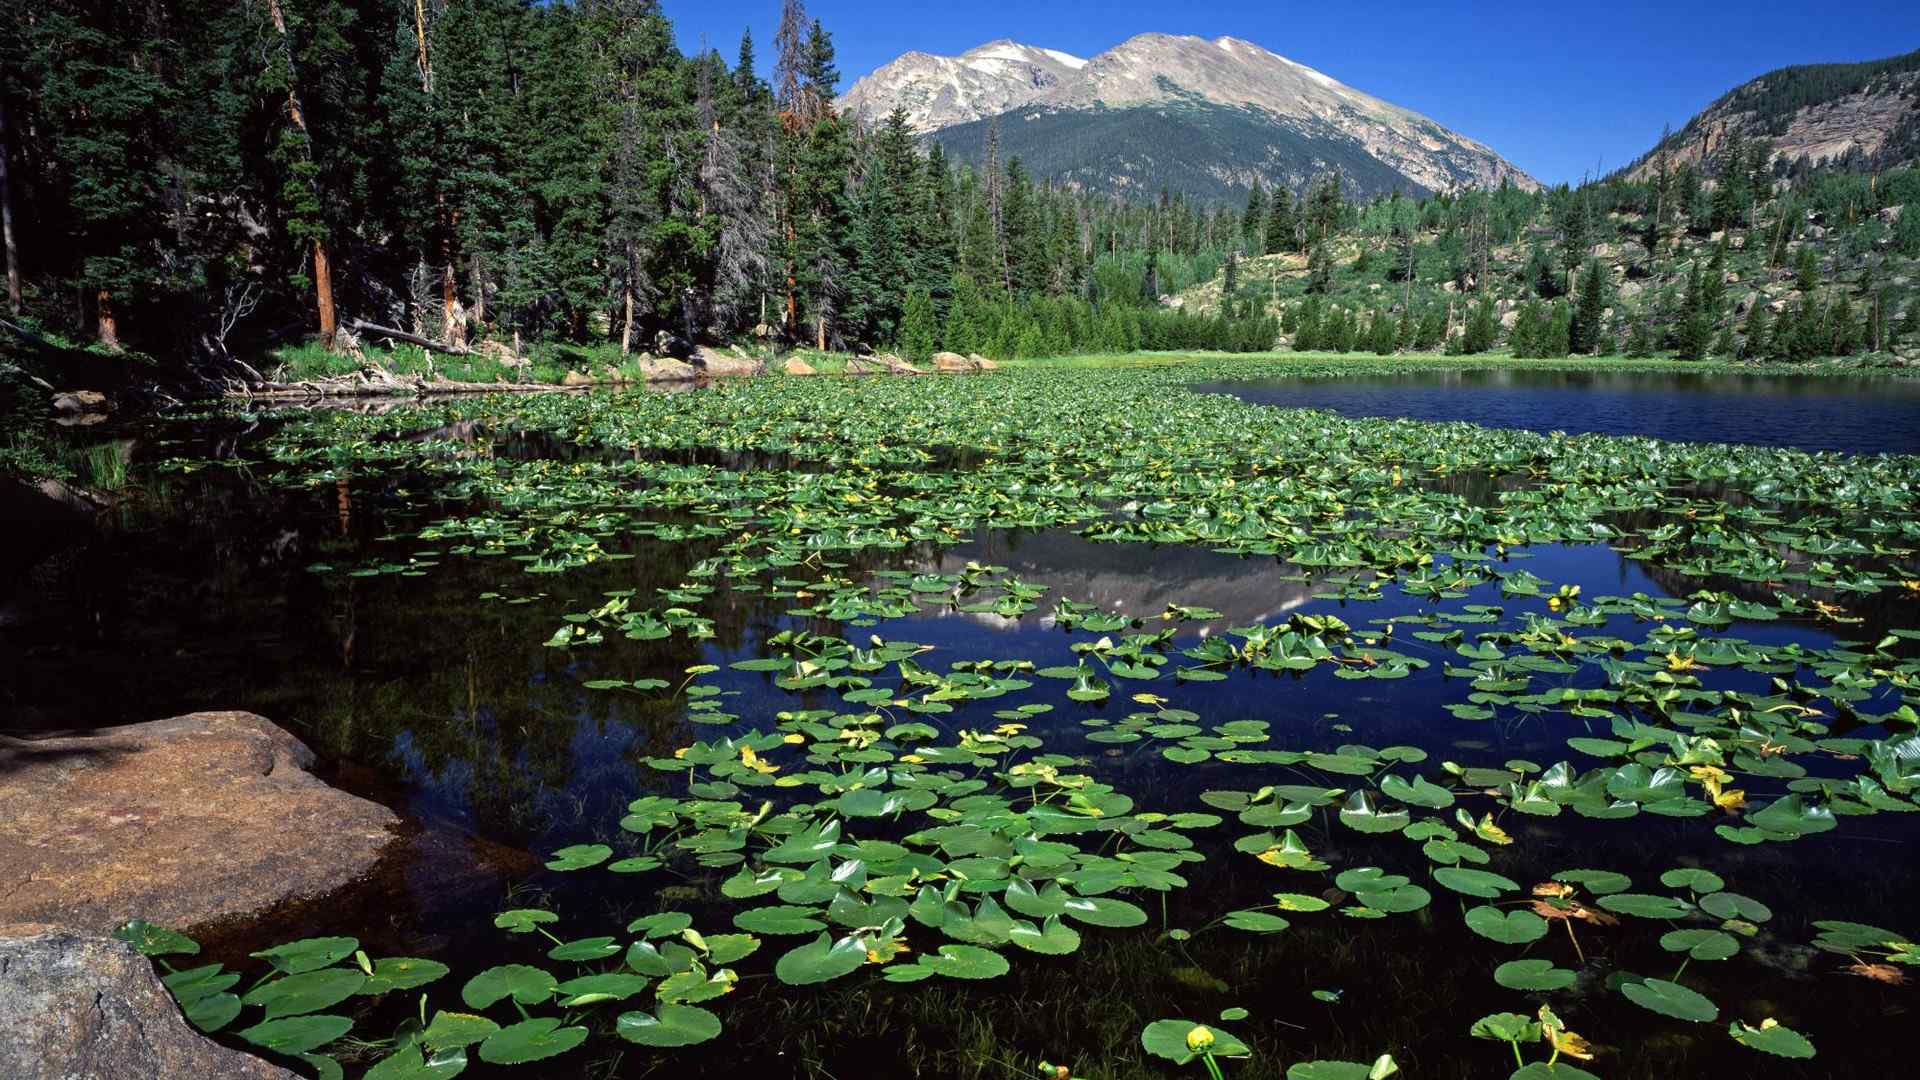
(178, 822)
(84, 1007)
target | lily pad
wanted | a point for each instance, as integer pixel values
(530, 1040)
(1670, 999)
(524, 984)
(668, 1026)
(820, 960)
(1533, 974)
(1506, 927)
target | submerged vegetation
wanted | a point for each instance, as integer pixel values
(846, 817)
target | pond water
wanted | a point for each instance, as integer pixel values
(421, 669)
(1866, 415)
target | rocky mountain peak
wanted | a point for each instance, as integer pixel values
(1306, 120)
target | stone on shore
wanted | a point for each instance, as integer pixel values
(179, 822)
(79, 1006)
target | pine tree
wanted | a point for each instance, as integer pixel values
(1757, 332)
(1320, 270)
(1281, 223)
(1482, 329)
(1591, 310)
(1556, 341)
(1253, 222)
(1381, 334)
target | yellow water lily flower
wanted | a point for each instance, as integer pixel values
(755, 762)
(1562, 1040)
(1199, 1038)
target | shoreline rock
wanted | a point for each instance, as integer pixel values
(181, 822)
(77, 1006)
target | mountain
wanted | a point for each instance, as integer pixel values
(1864, 115)
(1207, 118)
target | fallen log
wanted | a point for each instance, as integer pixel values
(364, 327)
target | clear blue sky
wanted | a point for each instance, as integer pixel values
(1557, 88)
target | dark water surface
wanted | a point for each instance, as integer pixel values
(429, 695)
(1857, 415)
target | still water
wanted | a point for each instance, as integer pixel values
(1866, 415)
(436, 695)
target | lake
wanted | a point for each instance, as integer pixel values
(1185, 607)
(1863, 415)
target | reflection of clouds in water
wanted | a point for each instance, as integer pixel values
(1138, 580)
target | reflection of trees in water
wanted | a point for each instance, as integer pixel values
(1137, 579)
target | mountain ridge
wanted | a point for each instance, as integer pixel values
(1864, 114)
(1155, 74)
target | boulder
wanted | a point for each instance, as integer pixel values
(77, 1006)
(893, 365)
(796, 366)
(79, 401)
(947, 361)
(982, 362)
(665, 369)
(577, 378)
(179, 822)
(714, 362)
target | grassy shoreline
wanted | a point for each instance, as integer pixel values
(550, 365)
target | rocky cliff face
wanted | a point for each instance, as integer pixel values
(1252, 114)
(1864, 115)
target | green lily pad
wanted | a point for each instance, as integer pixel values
(1170, 1039)
(306, 992)
(530, 1040)
(296, 1034)
(576, 857)
(1052, 937)
(1104, 911)
(1535, 975)
(1506, 927)
(1772, 1038)
(1670, 999)
(820, 960)
(1474, 882)
(523, 920)
(309, 954)
(401, 973)
(408, 1063)
(526, 985)
(779, 919)
(1701, 944)
(1700, 881)
(1646, 906)
(593, 989)
(668, 1026)
(966, 962)
(451, 1030)
(150, 940)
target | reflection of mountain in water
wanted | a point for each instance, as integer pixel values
(1137, 579)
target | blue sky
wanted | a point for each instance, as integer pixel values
(1559, 89)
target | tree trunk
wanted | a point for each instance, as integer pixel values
(323, 294)
(453, 321)
(108, 326)
(479, 279)
(6, 219)
(820, 330)
(626, 329)
(322, 264)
